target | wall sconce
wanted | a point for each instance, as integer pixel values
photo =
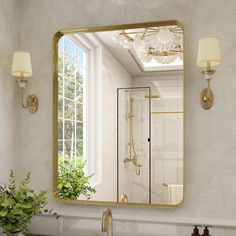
(21, 68)
(208, 57)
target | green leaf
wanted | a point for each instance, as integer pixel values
(8, 202)
(5, 205)
(17, 212)
(3, 213)
(26, 206)
(68, 185)
(60, 186)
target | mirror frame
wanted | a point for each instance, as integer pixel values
(56, 39)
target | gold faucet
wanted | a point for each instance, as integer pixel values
(107, 222)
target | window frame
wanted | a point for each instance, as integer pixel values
(92, 138)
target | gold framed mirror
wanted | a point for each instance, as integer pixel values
(118, 115)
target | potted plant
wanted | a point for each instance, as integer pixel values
(19, 205)
(72, 179)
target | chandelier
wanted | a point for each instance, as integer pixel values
(164, 43)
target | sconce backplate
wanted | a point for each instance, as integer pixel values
(32, 103)
(207, 99)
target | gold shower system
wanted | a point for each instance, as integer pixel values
(132, 153)
(131, 145)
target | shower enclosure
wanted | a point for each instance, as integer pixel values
(150, 145)
(134, 146)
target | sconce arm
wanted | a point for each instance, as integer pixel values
(24, 105)
(208, 89)
(207, 95)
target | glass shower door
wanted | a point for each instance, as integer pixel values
(133, 145)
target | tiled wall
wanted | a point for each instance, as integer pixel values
(166, 145)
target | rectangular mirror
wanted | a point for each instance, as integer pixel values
(118, 120)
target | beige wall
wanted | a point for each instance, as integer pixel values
(210, 136)
(9, 105)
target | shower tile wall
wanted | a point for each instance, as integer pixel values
(166, 136)
(167, 148)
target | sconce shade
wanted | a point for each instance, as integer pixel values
(208, 52)
(21, 64)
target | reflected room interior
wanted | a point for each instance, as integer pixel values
(120, 118)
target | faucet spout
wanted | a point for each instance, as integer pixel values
(107, 222)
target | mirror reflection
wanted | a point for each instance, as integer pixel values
(120, 115)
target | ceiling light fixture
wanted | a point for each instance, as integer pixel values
(164, 43)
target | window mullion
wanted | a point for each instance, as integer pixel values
(63, 98)
(75, 96)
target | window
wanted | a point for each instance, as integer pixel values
(78, 108)
(71, 100)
